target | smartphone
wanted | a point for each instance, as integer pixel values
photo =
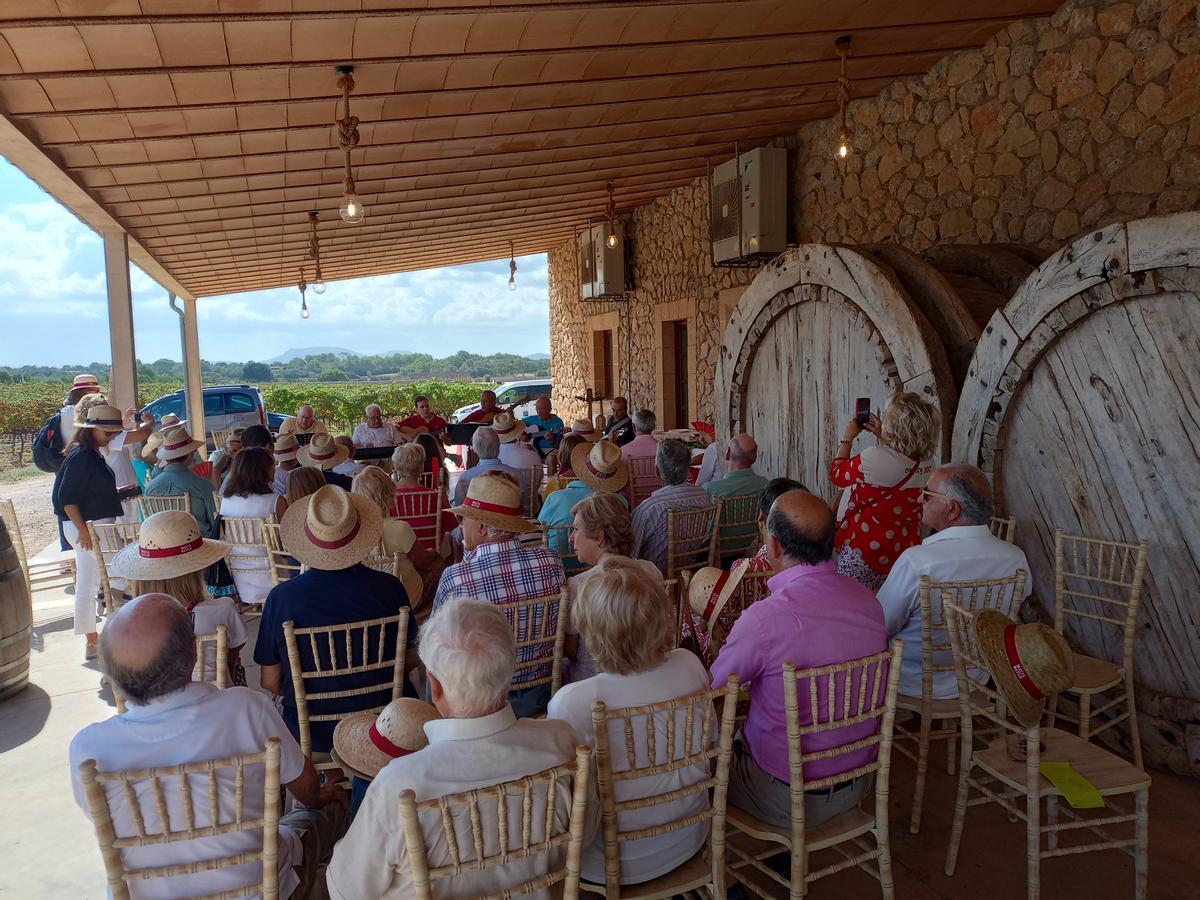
(862, 411)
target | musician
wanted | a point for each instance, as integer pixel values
(424, 421)
(487, 409)
(550, 427)
(374, 432)
(303, 426)
(619, 429)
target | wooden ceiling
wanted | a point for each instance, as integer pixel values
(204, 127)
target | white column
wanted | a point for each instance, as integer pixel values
(122, 389)
(191, 366)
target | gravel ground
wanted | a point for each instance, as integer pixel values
(31, 497)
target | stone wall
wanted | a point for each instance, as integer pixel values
(1056, 126)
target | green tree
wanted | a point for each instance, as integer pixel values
(332, 375)
(257, 372)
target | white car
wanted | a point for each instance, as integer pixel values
(510, 392)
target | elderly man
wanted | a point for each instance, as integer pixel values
(740, 481)
(148, 651)
(650, 518)
(374, 432)
(285, 452)
(469, 653)
(176, 452)
(956, 504)
(303, 426)
(644, 443)
(549, 427)
(486, 444)
(812, 617)
(519, 456)
(497, 568)
(619, 428)
(331, 532)
(487, 409)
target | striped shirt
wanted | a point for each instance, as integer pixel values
(650, 519)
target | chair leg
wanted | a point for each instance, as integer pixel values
(1141, 849)
(799, 885)
(914, 824)
(1033, 835)
(960, 807)
(951, 751)
(1085, 716)
(1135, 734)
(883, 838)
(1051, 709)
(1052, 819)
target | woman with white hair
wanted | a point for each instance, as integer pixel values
(626, 619)
(408, 462)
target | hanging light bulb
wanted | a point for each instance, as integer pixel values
(611, 240)
(303, 286)
(512, 268)
(843, 141)
(843, 149)
(314, 251)
(352, 210)
(303, 308)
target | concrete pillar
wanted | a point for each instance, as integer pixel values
(123, 386)
(191, 367)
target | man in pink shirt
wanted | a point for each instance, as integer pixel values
(644, 442)
(812, 617)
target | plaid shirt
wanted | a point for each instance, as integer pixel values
(506, 572)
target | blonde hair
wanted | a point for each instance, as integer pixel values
(605, 517)
(302, 481)
(373, 483)
(188, 589)
(624, 616)
(910, 425)
(408, 460)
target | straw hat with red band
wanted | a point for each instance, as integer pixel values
(364, 743)
(286, 448)
(177, 443)
(586, 430)
(495, 501)
(331, 528)
(508, 427)
(1028, 663)
(82, 381)
(323, 452)
(150, 448)
(169, 544)
(710, 589)
(103, 418)
(600, 466)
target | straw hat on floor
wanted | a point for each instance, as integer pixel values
(1027, 662)
(331, 529)
(364, 743)
(169, 544)
(323, 452)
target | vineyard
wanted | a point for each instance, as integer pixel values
(25, 407)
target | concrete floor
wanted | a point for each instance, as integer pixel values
(49, 847)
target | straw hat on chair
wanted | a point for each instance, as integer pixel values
(710, 589)
(1027, 662)
(331, 529)
(364, 743)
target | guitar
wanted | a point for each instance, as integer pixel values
(524, 398)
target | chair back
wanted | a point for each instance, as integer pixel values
(689, 538)
(219, 436)
(61, 571)
(1099, 580)
(212, 664)
(752, 588)
(148, 506)
(326, 653)
(558, 539)
(644, 479)
(427, 480)
(738, 531)
(1005, 529)
(107, 541)
(282, 565)
(381, 561)
(422, 510)
(660, 738)
(528, 477)
(494, 827)
(540, 628)
(1004, 595)
(244, 531)
(159, 798)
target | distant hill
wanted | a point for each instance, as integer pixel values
(288, 355)
(538, 356)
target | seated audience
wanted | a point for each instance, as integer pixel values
(600, 469)
(643, 443)
(549, 426)
(497, 568)
(519, 456)
(326, 454)
(619, 427)
(149, 454)
(303, 426)
(880, 514)
(331, 532)
(302, 481)
(350, 466)
(486, 444)
(408, 462)
(469, 654)
(285, 452)
(222, 458)
(148, 652)
(712, 464)
(812, 617)
(650, 518)
(417, 565)
(247, 493)
(740, 480)
(258, 436)
(626, 620)
(374, 432)
(956, 504)
(558, 466)
(177, 477)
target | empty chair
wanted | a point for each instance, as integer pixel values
(37, 574)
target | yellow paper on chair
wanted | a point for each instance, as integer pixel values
(1077, 790)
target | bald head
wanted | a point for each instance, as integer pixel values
(742, 453)
(147, 648)
(800, 531)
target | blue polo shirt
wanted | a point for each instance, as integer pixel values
(557, 511)
(323, 597)
(554, 423)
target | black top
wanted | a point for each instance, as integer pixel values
(85, 480)
(345, 482)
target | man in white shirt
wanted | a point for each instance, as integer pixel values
(517, 454)
(956, 504)
(374, 432)
(469, 654)
(148, 651)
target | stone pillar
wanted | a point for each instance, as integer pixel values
(123, 384)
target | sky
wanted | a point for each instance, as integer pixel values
(53, 307)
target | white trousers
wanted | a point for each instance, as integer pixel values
(87, 579)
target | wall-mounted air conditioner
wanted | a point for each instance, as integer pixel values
(749, 206)
(601, 268)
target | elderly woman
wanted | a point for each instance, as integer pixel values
(247, 493)
(408, 462)
(626, 619)
(303, 481)
(880, 513)
(602, 531)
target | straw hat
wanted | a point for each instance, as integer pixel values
(600, 466)
(507, 427)
(323, 452)
(104, 418)
(1027, 662)
(709, 591)
(494, 501)
(586, 430)
(331, 529)
(169, 544)
(150, 448)
(85, 381)
(365, 743)
(286, 448)
(177, 443)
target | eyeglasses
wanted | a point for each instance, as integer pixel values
(926, 493)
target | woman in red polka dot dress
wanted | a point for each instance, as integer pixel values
(880, 513)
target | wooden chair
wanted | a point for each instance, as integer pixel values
(1003, 595)
(521, 823)
(1001, 778)
(839, 696)
(51, 573)
(737, 531)
(540, 628)
(216, 674)
(427, 480)
(558, 539)
(660, 738)
(1100, 581)
(753, 587)
(246, 531)
(422, 510)
(1005, 529)
(107, 541)
(219, 436)
(279, 560)
(530, 502)
(644, 479)
(148, 506)
(689, 538)
(383, 562)
(348, 649)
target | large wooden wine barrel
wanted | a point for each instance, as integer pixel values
(16, 619)
(1083, 404)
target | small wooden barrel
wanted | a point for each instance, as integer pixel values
(16, 619)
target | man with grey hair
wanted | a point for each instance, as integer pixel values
(469, 653)
(957, 505)
(644, 442)
(303, 425)
(374, 432)
(674, 461)
(148, 651)
(486, 444)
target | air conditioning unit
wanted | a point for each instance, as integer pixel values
(601, 268)
(749, 206)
